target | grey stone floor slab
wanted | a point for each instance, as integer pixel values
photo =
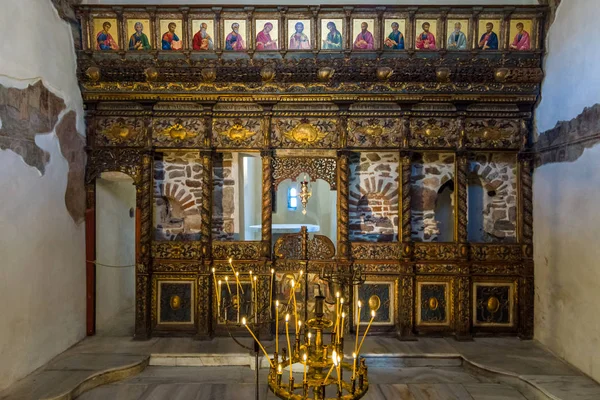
(493, 391)
(439, 392)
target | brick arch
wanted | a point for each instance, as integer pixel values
(373, 210)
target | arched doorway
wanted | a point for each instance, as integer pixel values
(115, 254)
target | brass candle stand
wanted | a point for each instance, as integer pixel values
(326, 373)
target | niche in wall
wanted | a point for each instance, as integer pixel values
(373, 202)
(432, 197)
(492, 198)
(177, 196)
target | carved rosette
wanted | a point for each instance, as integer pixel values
(178, 132)
(374, 132)
(343, 238)
(316, 168)
(433, 132)
(493, 133)
(267, 203)
(126, 131)
(237, 132)
(316, 133)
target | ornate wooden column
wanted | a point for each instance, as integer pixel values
(526, 281)
(144, 196)
(267, 203)
(205, 283)
(343, 178)
(406, 289)
(462, 283)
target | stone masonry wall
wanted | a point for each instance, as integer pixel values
(497, 173)
(373, 202)
(429, 172)
(223, 218)
(177, 196)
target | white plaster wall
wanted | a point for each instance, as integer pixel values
(42, 251)
(565, 196)
(115, 246)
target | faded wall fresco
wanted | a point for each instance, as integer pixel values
(373, 202)
(224, 191)
(496, 173)
(177, 196)
(431, 173)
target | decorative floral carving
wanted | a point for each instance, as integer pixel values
(489, 252)
(317, 168)
(169, 132)
(305, 132)
(436, 251)
(320, 248)
(120, 130)
(375, 251)
(177, 250)
(237, 132)
(374, 132)
(433, 132)
(237, 250)
(493, 133)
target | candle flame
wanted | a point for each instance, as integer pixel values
(301, 272)
(359, 304)
(372, 313)
(342, 300)
(287, 317)
(337, 294)
(304, 357)
(237, 274)
(292, 283)
(343, 314)
(213, 270)
(272, 271)
(230, 260)
(299, 324)
(309, 335)
(354, 355)
(254, 278)
(244, 321)
(226, 278)
(334, 358)
(279, 369)
(276, 303)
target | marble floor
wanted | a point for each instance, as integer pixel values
(117, 367)
(224, 383)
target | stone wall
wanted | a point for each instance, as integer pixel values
(430, 171)
(497, 175)
(177, 196)
(224, 192)
(373, 202)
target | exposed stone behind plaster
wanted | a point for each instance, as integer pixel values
(497, 175)
(223, 218)
(429, 172)
(26, 113)
(72, 148)
(373, 202)
(568, 139)
(177, 196)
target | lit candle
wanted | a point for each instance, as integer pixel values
(354, 366)
(237, 280)
(261, 346)
(228, 287)
(295, 306)
(357, 326)
(337, 312)
(309, 336)
(255, 300)
(219, 299)
(304, 357)
(271, 293)
(334, 359)
(339, 373)
(277, 326)
(367, 330)
(215, 280)
(287, 335)
(342, 325)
